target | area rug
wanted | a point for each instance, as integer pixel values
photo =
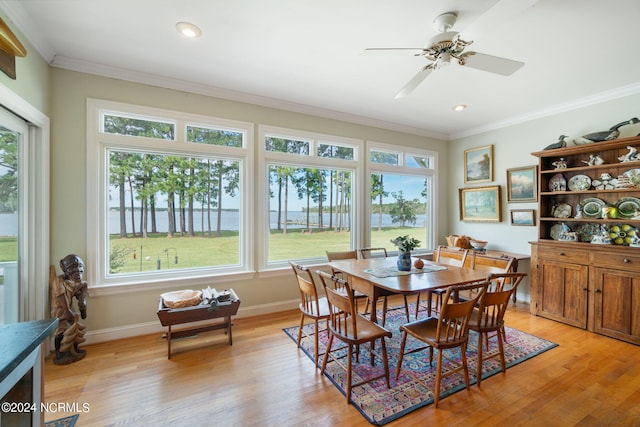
(69, 421)
(414, 388)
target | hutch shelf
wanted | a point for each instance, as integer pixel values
(589, 285)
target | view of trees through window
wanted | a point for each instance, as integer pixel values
(398, 207)
(8, 199)
(178, 196)
(309, 212)
(168, 211)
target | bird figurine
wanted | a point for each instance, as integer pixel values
(605, 135)
(562, 142)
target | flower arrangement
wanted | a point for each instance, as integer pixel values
(406, 243)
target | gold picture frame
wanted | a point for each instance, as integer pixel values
(480, 204)
(478, 165)
(523, 217)
(522, 184)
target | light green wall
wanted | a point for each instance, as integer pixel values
(69, 93)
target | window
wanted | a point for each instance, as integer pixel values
(170, 200)
(310, 183)
(401, 194)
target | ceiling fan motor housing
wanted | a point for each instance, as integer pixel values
(443, 23)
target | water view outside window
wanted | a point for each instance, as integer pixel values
(398, 207)
(309, 212)
(171, 212)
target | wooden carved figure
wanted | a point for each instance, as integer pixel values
(64, 289)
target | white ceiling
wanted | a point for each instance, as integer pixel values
(307, 55)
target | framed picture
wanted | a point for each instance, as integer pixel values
(523, 217)
(522, 184)
(480, 204)
(478, 165)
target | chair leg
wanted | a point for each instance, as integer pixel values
(479, 363)
(436, 394)
(501, 350)
(349, 367)
(401, 353)
(300, 329)
(385, 361)
(316, 340)
(326, 353)
(465, 365)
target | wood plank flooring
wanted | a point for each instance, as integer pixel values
(263, 380)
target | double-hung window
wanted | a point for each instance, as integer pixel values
(168, 195)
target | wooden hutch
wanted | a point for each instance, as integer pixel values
(588, 285)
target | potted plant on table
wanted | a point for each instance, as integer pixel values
(405, 245)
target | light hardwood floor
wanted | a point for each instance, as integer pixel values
(263, 380)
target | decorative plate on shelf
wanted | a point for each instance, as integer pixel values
(562, 210)
(592, 207)
(557, 229)
(634, 177)
(622, 234)
(579, 183)
(557, 183)
(628, 207)
(587, 231)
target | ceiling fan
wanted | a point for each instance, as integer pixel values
(448, 45)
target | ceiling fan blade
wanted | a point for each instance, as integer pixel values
(503, 11)
(393, 51)
(492, 64)
(415, 82)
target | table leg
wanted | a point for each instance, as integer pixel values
(169, 343)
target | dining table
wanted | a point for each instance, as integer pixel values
(376, 277)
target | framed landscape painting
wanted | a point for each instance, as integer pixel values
(522, 184)
(523, 217)
(478, 165)
(480, 204)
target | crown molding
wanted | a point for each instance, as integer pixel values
(103, 70)
(587, 101)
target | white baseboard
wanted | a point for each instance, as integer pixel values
(129, 331)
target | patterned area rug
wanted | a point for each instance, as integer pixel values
(414, 388)
(69, 421)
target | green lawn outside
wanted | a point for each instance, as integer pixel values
(193, 252)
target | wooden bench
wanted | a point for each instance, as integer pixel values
(178, 316)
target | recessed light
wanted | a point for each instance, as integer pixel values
(459, 107)
(188, 29)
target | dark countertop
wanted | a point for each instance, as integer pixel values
(18, 340)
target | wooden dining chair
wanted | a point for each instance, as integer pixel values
(353, 329)
(311, 305)
(367, 253)
(449, 330)
(456, 257)
(492, 264)
(488, 317)
(347, 255)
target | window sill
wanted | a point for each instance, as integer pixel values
(187, 283)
